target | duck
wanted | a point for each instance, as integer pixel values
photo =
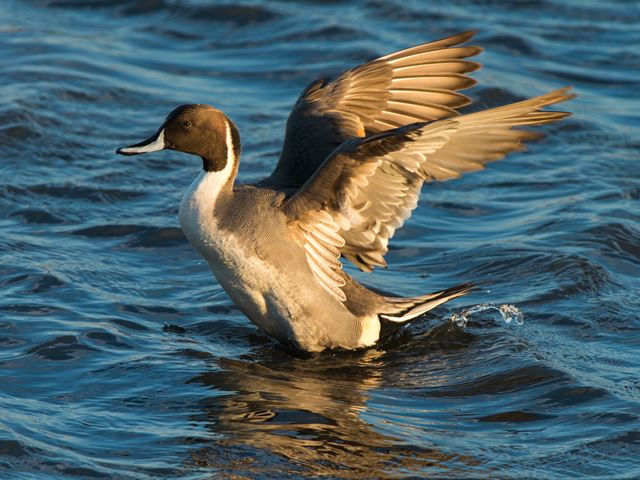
(357, 151)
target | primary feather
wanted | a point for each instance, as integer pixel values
(368, 187)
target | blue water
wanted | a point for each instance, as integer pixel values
(120, 355)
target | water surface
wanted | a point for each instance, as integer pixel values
(121, 357)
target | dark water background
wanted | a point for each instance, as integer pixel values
(121, 357)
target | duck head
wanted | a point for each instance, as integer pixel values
(196, 129)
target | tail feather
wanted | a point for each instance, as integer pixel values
(404, 309)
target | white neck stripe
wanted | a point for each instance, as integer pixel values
(231, 153)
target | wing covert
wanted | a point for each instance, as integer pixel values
(414, 85)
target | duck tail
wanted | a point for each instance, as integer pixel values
(401, 310)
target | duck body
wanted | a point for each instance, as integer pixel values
(357, 152)
(237, 231)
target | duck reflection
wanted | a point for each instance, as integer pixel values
(283, 415)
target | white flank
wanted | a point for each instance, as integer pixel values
(156, 145)
(370, 331)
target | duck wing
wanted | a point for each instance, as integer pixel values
(416, 84)
(368, 187)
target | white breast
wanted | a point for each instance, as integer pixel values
(255, 285)
(196, 209)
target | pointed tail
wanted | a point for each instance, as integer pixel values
(400, 309)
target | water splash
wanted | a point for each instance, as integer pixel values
(509, 313)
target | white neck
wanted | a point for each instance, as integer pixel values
(196, 207)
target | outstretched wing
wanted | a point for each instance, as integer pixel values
(417, 84)
(368, 187)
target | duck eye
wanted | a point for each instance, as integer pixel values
(186, 123)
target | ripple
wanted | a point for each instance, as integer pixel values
(612, 453)
(404, 13)
(149, 309)
(66, 347)
(236, 14)
(92, 194)
(20, 126)
(582, 78)
(108, 339)
(573, 273)
(333, 32)
(44, 282)
(615, 238)
(90, 93)
(83, 472)
(505, 382)
(107, 231)
(128, 324)
(32, 309)
(12, 448)
(96, 4)
(515, 416)
(17, 132)
(173, 34)
(490, 97)
(509, 43)
(37, 216)
(11, 342)
(166, 237)
(569, 396)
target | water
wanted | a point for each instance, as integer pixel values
(121, 357)
(508, 313)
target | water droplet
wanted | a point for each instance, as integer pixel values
(509, 313)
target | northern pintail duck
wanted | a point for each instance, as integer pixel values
(357, 151)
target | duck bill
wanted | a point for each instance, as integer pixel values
(152, 144)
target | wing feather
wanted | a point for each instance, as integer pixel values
(322, 243)
(368, 187)
(416, 84)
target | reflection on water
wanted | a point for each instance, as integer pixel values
(310, 412)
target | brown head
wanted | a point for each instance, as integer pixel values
(196, 129)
